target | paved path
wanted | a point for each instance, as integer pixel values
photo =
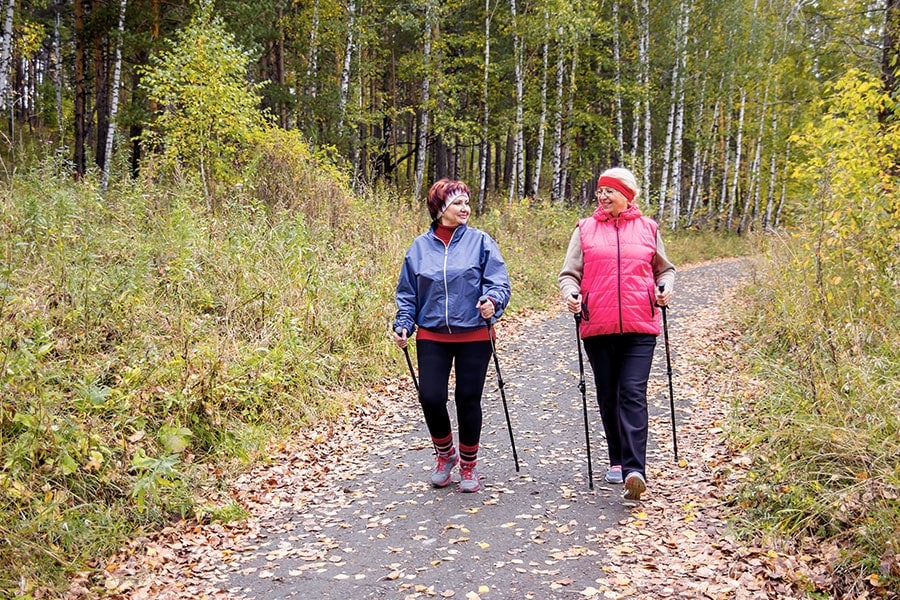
(371, 527)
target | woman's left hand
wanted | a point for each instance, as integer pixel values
(486, 307)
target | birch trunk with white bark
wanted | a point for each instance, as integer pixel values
(766, 218)
(644, 60)
(555, 192)
(348, 58)
(679, 117)
(570, 107)
(6, 53)
(485, 99)
(732, 196)
(542, 122)
(422, 138)
(751, 199)
(114, 101)
(517, 181)
(617, 59)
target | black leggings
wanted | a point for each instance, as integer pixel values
(621, 365)
(435, 361)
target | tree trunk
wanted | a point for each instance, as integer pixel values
(6, 54)
(312, 69)
(732, 199)
(784, 177)
(80, 100)
(422, 139)
(542, 122)
(644, 59)
(556, 192)
(751, 202)
(570, 111)
(101, 94)
(345, 72)
(517, 180)
(485, 99)
(617, 59)
(700, 147)
(58, 71)
(679, 116)
(114, 101)
(773, 177)
(890, 58)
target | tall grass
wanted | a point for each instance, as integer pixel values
(826, 426)
(144, 338)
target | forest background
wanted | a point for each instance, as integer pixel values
(205, 205)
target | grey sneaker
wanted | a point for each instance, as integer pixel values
(635, 485)
(440, 477)
(614, 474)
(468, 478)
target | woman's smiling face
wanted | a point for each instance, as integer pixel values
(457, 213)
(612, 200)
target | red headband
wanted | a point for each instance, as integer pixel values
(607, 181)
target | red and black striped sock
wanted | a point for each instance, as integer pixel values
(444, 446)
(468, 454)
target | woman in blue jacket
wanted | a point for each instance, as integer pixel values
(453, 279)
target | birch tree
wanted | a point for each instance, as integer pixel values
(766, 218)
(114, 102)
(751, 198)
(486, 116)
(348, 58)
(6, 53)
(422, 138)
(644, 81)
(312, 62)
(732, 196)
(556, 192)
(517, 183)
(542, 121)
(566, 148)
(617, 61)
(672, 145)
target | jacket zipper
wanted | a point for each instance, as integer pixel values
(446, 289)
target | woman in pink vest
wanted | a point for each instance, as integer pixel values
(614, 267)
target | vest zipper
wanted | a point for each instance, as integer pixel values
(619, 274)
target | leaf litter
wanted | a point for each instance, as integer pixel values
(676, 543)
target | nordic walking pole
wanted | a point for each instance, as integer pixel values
(412, 371)
(500, 384)
(669, 373)
(587, 435)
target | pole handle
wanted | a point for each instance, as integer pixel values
(578, 314)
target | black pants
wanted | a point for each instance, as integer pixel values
(435, 361)
(621, 365)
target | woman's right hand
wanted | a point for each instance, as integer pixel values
(573, 303)
(401, 337)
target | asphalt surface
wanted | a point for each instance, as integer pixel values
(377, 529)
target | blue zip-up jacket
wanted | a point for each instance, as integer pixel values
(439, 285)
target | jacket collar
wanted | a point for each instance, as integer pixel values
(630, 213)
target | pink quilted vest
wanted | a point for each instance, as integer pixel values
(617, 287)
